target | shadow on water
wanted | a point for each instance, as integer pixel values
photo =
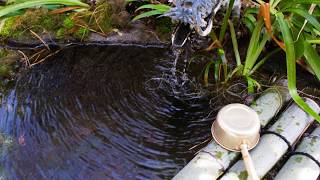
(87, 113)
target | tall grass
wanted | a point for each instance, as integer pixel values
(34, 3)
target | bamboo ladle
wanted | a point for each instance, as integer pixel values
(237, 129)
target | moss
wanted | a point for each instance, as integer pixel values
(313, 140)
(60, 33)
(68, 23)
(81, 33)
(107, 16)
(3, 53)
(243, 175)
(6, 29)
(47, 22)
(4, 71)
(103, 18)
(279, 130)
(219, 154)
(37, 20)
(298, 159)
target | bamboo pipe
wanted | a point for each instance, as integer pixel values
(291, 124)
(300, 166)
(213, 160)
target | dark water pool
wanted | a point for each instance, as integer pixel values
(87, 113)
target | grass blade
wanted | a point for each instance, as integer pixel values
(312, 58)
(32, 3)
(291, 66)
(262, 61)
(147, 14)
(225, 21)
(234, 43)
(206, 73)
(160, 7)
(304, 13)
(253, 44)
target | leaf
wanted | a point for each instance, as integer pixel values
(206, 73)
(147, 14)
(304, 13)
(298, 43)
(235, 44)
(291, 66)
(312, 58)
(217, 66)
(32, 3)
(160, 7)
(225, 21)
(249, 24)
(262, 61)
(255, 47)
(305, 1)
(251, 84)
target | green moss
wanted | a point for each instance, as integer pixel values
(313, 141)
(82, 33)
(7, 27)
(37, 20)
(298, 159)
(103, 18)
(68, 23)
(219, 154)
(47, 22)
(3, 53)
(107, 16)
(60, 33)
(243, 175)
(279, 130)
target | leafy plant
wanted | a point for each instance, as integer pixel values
(291, 25)
(156, 9)
(12, 8)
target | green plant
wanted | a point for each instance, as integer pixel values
(68, 23)
(291, 25)
(156, 9)
(19, 5)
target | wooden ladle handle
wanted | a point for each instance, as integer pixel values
(248, 162)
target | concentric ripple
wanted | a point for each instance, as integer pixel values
(87, 113)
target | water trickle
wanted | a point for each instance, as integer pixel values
(101, 112)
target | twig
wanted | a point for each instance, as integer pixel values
(43, 59)
(37, 36)
(25, 58)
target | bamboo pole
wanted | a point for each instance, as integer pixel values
(291, 124)
(213, 160)
(302, 167)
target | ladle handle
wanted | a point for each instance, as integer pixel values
(248, 162)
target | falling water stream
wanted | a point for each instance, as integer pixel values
(101, 112)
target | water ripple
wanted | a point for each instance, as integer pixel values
(89, 113)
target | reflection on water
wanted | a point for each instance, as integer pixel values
(87, 113)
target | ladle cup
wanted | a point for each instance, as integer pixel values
(237, 129)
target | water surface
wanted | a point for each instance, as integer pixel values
(91, 113)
